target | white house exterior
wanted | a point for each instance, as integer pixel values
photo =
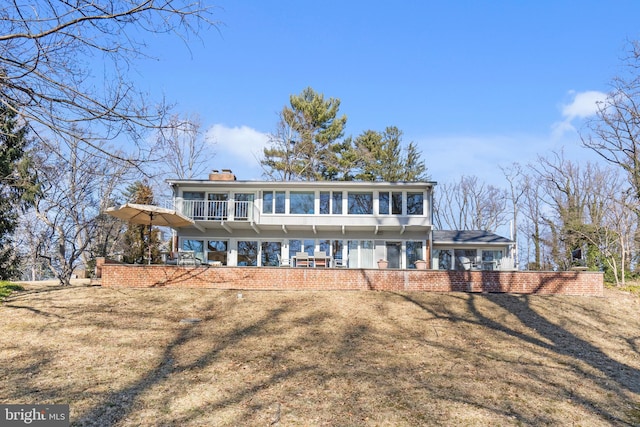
(271, 223)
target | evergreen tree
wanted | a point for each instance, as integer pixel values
(137, 238)
(306, 145)
(381, 157)
(17, 185)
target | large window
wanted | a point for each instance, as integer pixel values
(244, 204)
(360, 203)
(217, 209)
(296, 245)
(390, 203)
(247, 253)
(337, 203)
(466, 259)
(444, 258)
(193, 204)
(396, 203)
(361, 253)
(415, 203)
(271, 251)
(383, 203)
(273, 202)
(301, 202)
(414, 253)
(197, 246)
(325, 201)
(217, 251)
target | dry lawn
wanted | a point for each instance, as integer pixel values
(127, 357)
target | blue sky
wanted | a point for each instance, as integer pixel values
(475, 84)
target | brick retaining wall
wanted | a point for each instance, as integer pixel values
(286, 278)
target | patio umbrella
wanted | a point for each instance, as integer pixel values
(150, 215)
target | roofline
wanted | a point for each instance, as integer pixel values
(303, 184)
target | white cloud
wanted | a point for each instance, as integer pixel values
(242, 142)
(583, 105)
(237, 148)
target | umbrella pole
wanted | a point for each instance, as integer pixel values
(149, 239)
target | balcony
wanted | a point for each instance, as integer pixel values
(214, 210)
(233, 214)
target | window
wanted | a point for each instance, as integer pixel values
(443, 256)
(396, 203)
(267, 202)
(301, 202)
(217, 209)
(414, 253)
(248, 253)
(244, 202)
(271, 251)
(361, 253)
(193, 204)
(273, 202)
(383, 203)
(296, 245)
(280, 201)
(360, 203)
(217, 251)
(324, 202)
(197, 246)
(465, 259)
(337, 203)
(491, 260)
(414, 203)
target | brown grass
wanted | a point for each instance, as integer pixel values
(126, 357)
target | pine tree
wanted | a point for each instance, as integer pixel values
(17, 185)
(137, 238)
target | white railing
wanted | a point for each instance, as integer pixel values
(216, 210)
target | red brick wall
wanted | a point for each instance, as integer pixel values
(284, 278)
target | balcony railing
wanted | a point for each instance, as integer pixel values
(214, 210)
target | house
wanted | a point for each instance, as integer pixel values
(323, 224)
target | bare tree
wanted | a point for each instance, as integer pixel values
(76, 187)
(517, 186)
(614, 133)
(183, 150)
(47, 74)
(470, 205)
(576, 199)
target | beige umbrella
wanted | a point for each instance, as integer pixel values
(150, 215)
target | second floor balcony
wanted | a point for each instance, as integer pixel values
(243, 214)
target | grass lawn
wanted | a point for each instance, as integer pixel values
(138, 357)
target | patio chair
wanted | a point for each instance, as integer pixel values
(319, 259)
(465, 263)
(283, 262)
(187, 258)
(340, 263)
(302, 259)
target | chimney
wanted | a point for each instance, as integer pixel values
(225, 175)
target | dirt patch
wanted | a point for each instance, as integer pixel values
(124, 357)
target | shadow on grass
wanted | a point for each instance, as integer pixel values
(116, 406)
(616, 377)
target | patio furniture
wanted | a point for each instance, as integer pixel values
(187, 258)
(283, 262)
(340, 263)
(302, 259)
(320, 259)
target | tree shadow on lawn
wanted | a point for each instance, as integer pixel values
(116, 406)
(617, 377)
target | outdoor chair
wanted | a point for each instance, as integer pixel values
(283, 262)
(302, 259)
(187, 258)
(340, 263)
(319, 259)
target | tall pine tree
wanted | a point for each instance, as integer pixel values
(17, 185)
